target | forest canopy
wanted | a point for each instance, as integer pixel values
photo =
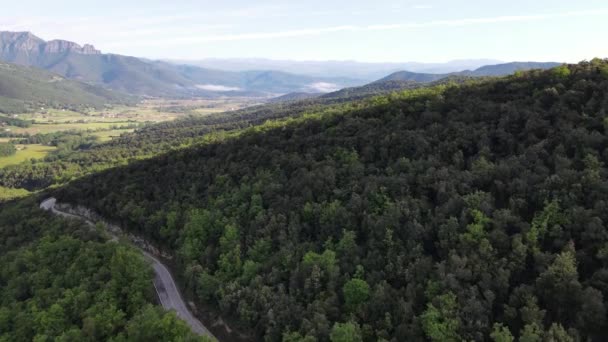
(471, 212)
(61, 281)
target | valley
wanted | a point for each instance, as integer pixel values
(103, 125)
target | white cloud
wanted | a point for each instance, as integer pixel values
(216, 87)
(323, 87)
(206, 38)
(165, 33)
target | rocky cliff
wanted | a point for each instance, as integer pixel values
(25, 44)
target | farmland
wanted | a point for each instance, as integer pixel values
(26, 152)
(107, 123)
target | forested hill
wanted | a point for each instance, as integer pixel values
(60, 280)
(473, 212)
(23, 89)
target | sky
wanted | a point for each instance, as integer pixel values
(362, 30)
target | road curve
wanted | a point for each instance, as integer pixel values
(167, 291)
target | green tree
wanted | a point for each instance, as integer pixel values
(557, 333)
(153, 324)
(561, 71)
(441, 322)
(604, 70)
(207, 286)
(297, 337)
(500, 333)
(531, 333)
(345, 332)
(560, 287)
(476, 230)
(7, 149)
(356, 292)
(229, 263)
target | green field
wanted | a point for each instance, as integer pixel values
(108, 123)
(107, 135)
(9, 193)
(49, 128)
(26, 152)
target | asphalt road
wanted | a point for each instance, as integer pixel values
(167, 291)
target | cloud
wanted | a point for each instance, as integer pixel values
(216, 87)
(147, 35)
(422, 7)
(323, 87)
(207, 38)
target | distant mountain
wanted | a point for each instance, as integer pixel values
(25, 48)
(294, 97)
(151, 78)
(408, 76)
(389, 86)
(402, 80)
(24, 88)
(509, 68)
(488, 70)
(362, 70)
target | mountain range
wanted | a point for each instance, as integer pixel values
(146, 77)
(402, 80)
(362, 70)
(487, 70)
(152, 78)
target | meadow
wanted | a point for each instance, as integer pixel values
(26, 152)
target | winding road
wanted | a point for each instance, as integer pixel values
(167, 291)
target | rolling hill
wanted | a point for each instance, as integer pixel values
(24, 88)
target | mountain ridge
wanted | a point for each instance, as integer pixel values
(502, 69)
(149, 78)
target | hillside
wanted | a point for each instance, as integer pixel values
(144, 77)
(61, 280)
(510, 68)
(294, 97)
(389, 86)
(488, 70)
(23, 89)
(445, 213)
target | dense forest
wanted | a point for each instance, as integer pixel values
(152, 140)
(61, 281)
(148, 141)
(457, 212)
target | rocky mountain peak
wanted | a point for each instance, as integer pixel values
(62, 46)
(27, 43)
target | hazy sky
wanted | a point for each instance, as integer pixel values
(379, 30)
